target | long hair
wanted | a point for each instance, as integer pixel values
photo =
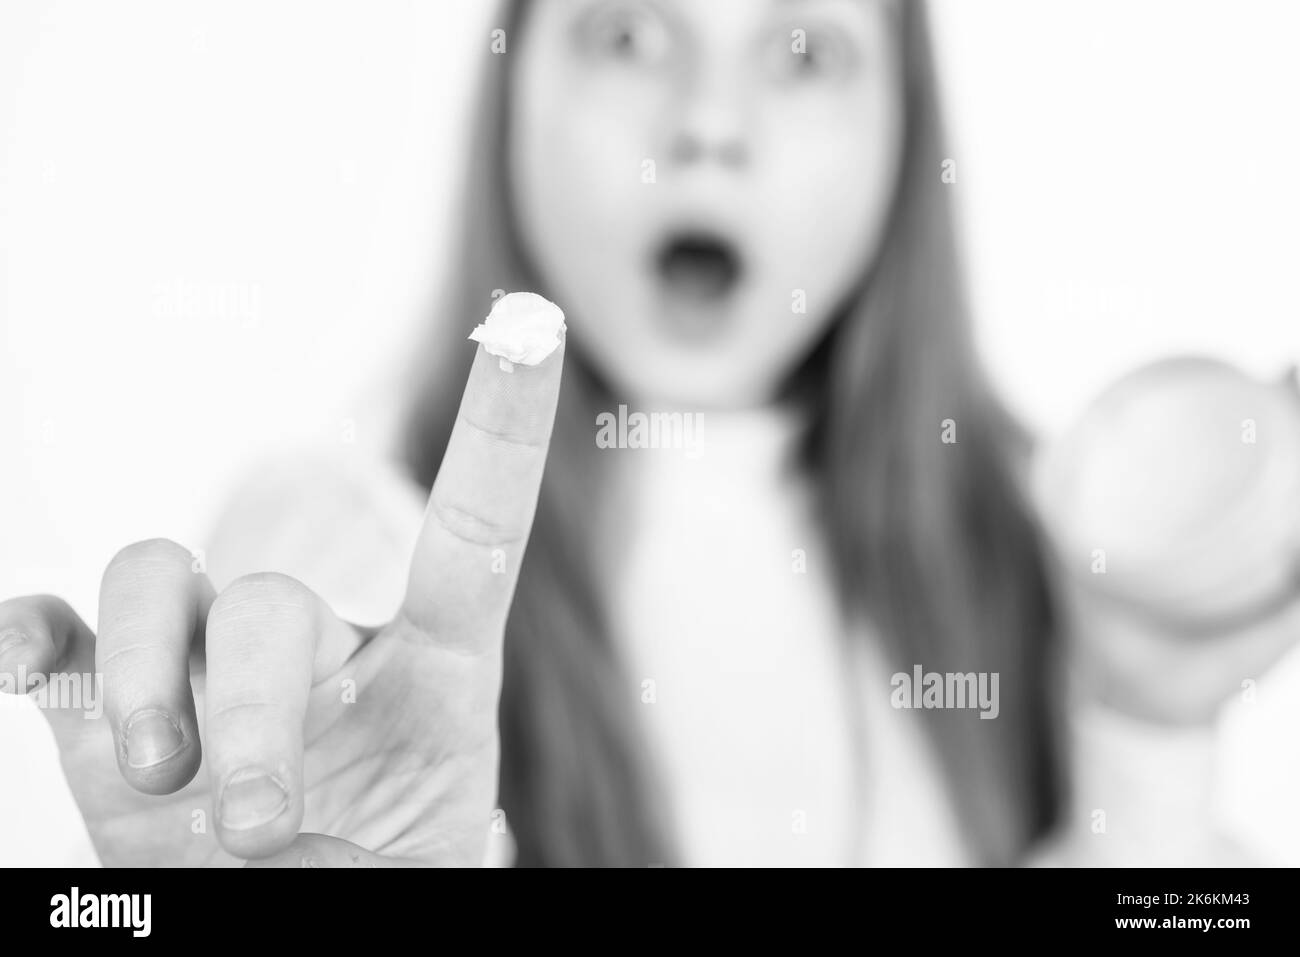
(933, 542)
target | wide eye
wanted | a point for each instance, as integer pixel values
(633, 34)
(812, 54)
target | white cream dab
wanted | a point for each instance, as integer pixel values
(522, 328)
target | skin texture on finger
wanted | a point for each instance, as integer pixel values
(269, 638)
(152, 609)
(481, 507)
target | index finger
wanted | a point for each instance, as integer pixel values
(481, 506)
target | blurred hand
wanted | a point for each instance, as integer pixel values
(255, 724)
(1174, 509)
(1166, 671)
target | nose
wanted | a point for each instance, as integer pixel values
(710, 127)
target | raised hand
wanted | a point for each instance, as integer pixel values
(255, 724)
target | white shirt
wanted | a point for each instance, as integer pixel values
(726, 615)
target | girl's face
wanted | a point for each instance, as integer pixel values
(701, 184)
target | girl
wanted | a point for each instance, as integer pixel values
(797, 155)
(741, 207)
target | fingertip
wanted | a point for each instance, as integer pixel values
(15, 649)
(523, 331)
(504, 376)
(27, 647)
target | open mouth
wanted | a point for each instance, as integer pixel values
(699, 266)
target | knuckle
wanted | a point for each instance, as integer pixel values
(247, 707)
(261, 596)
(127, 659)
(265, 586)
(515, 439)
(469, 526)
(150, 557)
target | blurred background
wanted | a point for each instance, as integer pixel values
(220, 223)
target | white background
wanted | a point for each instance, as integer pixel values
(218, 223)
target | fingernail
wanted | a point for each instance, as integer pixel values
(11, 639)
(250, 799)
(150, 738)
